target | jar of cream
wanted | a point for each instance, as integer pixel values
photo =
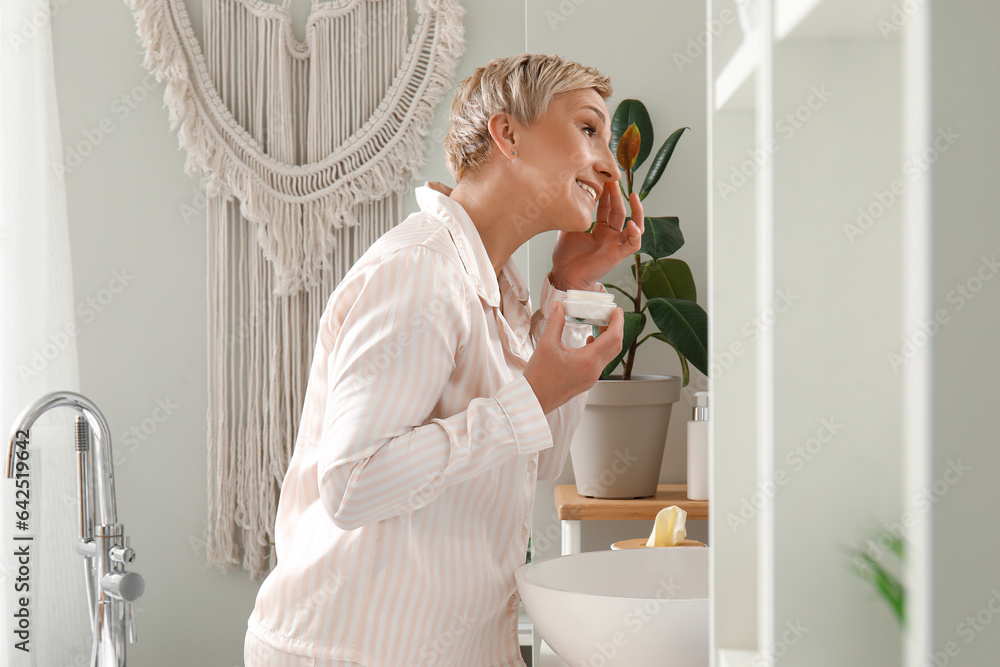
(585, 307)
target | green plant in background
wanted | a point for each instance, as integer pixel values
(666, 282)
(886, 584)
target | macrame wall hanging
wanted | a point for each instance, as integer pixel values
(304, 150)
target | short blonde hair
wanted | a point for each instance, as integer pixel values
(521, 85)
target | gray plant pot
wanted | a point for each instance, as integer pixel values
(618, 446)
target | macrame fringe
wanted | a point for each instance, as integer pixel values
(282, 199)
(260, 358)
(304, 151)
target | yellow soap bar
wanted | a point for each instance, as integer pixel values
(668, 528)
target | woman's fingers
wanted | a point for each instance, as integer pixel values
(638, 224)
(617, 218)
(611, 338)
(638, 216)
(604, 202)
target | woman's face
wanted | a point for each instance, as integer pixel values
(563, 151)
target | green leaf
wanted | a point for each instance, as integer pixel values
(684, 324)
(685, 371)
(888, 586)
(896, 544)
(662, 237)
(660, 162)
(668, 277)
(631, 112)
(634, 322)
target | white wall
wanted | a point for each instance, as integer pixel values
(960, 591)
(138, 252)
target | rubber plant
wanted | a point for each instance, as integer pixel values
(664, 281)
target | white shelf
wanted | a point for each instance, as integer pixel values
(734, 87)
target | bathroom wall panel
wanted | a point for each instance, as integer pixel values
(836, 397)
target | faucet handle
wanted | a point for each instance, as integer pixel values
(130, 622)
(125, 586)
(123, 555)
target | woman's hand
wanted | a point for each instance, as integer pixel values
(579, 259)
(557, 373)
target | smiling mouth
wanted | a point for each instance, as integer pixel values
(589, 190)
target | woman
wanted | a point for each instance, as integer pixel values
(436, 398)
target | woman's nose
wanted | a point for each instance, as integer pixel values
(609, 165)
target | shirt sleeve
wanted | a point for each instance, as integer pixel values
(564, 419)
(382, 453)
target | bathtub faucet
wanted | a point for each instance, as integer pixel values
(104, 547)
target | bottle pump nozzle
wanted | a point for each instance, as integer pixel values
(700, 411)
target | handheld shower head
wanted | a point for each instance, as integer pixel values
(102, 540)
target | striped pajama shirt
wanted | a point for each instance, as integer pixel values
(407, 502)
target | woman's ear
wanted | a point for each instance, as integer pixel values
(502, 131)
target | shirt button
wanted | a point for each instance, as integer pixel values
(531, 465)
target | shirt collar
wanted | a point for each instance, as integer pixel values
(470, 246)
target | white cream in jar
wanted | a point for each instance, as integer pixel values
(589, 307)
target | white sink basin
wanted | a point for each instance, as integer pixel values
(635, 607)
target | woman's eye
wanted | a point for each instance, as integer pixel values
(587, 128)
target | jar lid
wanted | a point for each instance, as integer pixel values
(584, 295)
